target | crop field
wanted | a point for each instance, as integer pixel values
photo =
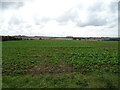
(60, 64)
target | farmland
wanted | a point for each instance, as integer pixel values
(60, 64)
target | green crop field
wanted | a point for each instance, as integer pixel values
(60, 64)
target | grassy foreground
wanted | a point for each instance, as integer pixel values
(72, 80)
(60, 64)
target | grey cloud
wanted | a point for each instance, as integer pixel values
(95, 18)
(11, 5)
(15, 20)
(28, 26)
(113, 6)
(100, 6)
(70, 15)
(39, 21)
(97, 7)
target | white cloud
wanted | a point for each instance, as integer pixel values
(60, 18)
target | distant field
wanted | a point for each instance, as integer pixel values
(60, 63)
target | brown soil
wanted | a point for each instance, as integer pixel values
(103, 46)
(44, 69)
(110, 46)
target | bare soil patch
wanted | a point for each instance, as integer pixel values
(110, 46)
(103, 46)
(44, 69)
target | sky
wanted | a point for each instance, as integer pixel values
(59, 18)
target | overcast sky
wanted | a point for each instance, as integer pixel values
(80, 18)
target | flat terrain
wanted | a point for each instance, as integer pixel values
(60, 64)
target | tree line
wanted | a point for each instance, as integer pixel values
(10, 38)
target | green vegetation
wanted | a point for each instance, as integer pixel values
(72, 80)
(60, 63)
